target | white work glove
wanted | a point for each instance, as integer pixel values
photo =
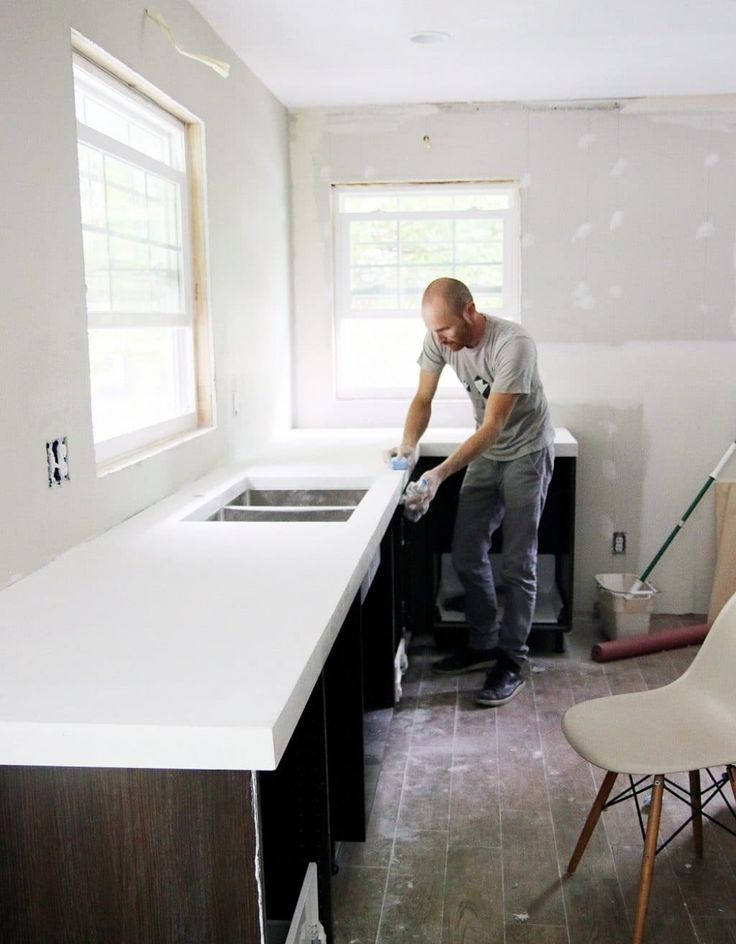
(400, 457)
(419, 494)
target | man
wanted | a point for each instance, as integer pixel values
(509, 461)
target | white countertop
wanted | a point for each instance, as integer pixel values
(174, 643)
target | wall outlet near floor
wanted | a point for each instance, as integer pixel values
(619, 542)
(57, 461)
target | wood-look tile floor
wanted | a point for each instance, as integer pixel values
(477, 811)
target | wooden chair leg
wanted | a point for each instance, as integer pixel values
(697, 814)
(732, 778)
(593, 817)
(647, 859)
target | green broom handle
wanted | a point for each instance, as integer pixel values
(673, 534)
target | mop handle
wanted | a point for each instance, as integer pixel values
(708, 482)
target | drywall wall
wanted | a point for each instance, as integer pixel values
(628, 286)
(44, 387)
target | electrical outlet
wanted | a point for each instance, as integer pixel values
(57, 461)
(619, 542)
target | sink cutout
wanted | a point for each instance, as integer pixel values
(237, 513)
(288, 504)
(299, 497)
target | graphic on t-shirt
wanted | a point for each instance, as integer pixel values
(482, 386)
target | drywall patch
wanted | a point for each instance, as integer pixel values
(711, 160)
(618, 168)
(583, 231)
(586, 140)
(617, 220)
(608, 468)
(582, 297)
(705, 230)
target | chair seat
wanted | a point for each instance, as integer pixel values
(661, 731)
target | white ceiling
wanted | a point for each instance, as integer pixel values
(349, 52)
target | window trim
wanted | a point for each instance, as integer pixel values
(138, 444)
(341, 273)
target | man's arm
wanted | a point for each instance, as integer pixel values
(417, 418)
(498, 410)
(420, 409)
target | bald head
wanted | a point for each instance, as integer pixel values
(452, 292)
(449, 313)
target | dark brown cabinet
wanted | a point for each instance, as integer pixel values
(427, 544)
(112, 856)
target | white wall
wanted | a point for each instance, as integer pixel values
(44, 390)
(634, 315)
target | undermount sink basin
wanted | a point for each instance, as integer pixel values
(290, 504)
(299, 497)
(239, 513)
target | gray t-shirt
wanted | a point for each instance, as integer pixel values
(505, 361)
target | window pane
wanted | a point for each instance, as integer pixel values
(479, 230)
(488, 302)
(483, 201)
(91, 186)
(372, 231)
(96, 271)
(368, 204)
(426, 231)
(418, 277)
(425, 242)
(106, 120)
(434, 230)
(127, 117)
(427, 201)
(163, 210)
(481, 279)
(382, 353)
(166, 290)
(374, 253)
(478, 252)
(140, 377)
(373, 287)
(129, 276)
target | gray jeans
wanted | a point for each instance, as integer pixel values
(513, 492)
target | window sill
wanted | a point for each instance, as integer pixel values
(124, 462)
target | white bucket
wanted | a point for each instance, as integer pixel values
(626, 604)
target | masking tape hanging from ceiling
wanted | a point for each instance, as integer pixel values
(220, 67)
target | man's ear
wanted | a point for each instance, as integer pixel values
(469, 312)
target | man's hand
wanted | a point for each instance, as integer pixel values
(419, 494)
(401, 457)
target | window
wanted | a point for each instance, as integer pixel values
(144, 322)
(390, 242)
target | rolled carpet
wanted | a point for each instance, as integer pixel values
(651, 642)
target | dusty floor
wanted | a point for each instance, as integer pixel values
(477, 811)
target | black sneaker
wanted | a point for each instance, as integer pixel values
(502, 683)
(465, 659)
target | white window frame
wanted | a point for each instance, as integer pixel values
(511, 216)
(148, 105)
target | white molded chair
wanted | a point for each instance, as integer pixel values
(688, 725)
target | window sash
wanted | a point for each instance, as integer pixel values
(98, 318)
(149, 116)
(344, 314)
(343, 257)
